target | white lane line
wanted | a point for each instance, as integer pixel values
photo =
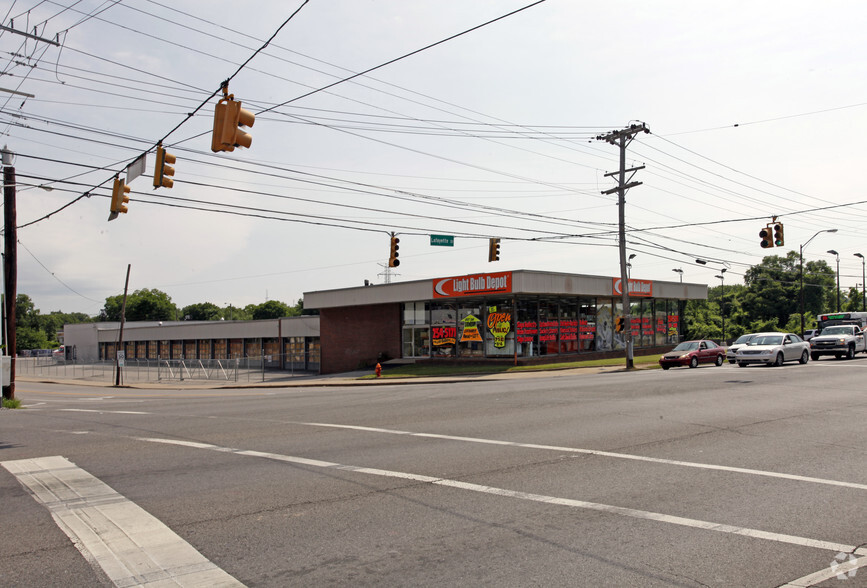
(130, 545)
(674, 462)
(842, 567)
(606, 508)
(101, 411)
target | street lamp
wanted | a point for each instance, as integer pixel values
(629, 266)
(863, 283)
(679, 271)
(831, 251)
(802, 274)
(722, 309)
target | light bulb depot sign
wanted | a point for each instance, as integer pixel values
(635, 288)
(475, 285)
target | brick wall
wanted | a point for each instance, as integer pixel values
(352, 337)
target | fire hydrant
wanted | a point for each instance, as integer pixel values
(378, 370)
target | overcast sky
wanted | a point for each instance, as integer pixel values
(755, 110)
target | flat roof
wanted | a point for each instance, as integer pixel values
(505, 283)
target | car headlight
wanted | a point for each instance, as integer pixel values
(684, 356)
(841, 341)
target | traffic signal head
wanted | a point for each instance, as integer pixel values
(162, 169)
(118, 198)
(618, 324)
(767, 235)
(229, 117)
(494, 250)
(393, 260)
(778, 235)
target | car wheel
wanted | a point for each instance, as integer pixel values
(719, 360)
(742, 364)
(805, 357)
(693, 362)
(814, 356)
(778, 361)
(733, 361)
(850, 353)
(665, 367)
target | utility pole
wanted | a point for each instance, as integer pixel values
(118, 367)
(622, 139)
(10, 267)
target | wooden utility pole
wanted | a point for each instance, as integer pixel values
(10, 268)
(118, 367)
(622, 139)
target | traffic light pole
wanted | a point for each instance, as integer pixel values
(622, 139)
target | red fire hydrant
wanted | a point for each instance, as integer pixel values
(378, 370)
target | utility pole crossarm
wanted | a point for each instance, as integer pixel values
(624, 187)
(44, 40)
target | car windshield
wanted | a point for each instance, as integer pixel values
(767, 340)
(686, 346)
(742, 339)
(837, 331)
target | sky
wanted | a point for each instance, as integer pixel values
(754, 112)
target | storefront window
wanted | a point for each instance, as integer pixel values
(499, 328)
(549, 326)
(586, 324)
(605, 325)
(673, 321)
(415, 313)
(444, 326)
(569, 325)
(660, 326)
(619, 338)
(470, 342)
(527, 327)
(646, 323)
(416, 342)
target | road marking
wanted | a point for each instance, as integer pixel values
(101, 411)
(689, 464)
(606, 508)
(842, 571)
(131, 546)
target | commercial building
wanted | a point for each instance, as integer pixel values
(518, 316)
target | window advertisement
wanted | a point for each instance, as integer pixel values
(605, 325)
(586, 324)
(499, 331)
(646, 323)
(660, 323)
(527, 327)
(673, 321)
(470, 341)
(549, 326)
(444, 329)
(568, 325)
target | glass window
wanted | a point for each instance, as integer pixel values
(673, 321)
(661, 322)
(527, 327)
(470, 342)
(605, 325)
(443, 340)
(587, 324)
(646, 323)
(619, 338)
(549, 326)
(498, 328)
(415, 313)
(569, 325)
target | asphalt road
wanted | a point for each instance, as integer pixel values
(715, 476)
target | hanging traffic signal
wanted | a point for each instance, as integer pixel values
(767, 235)
(393, 260)
(778, 235)
(618, 324)
(162, 169)
(118, 198)
(229, 118)
(494, 250)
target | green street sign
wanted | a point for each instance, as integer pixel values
(442, 240)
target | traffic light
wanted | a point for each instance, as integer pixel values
(229, 118)
(393, 260)
(494, 250)
(162, 169)
(118, 198)
(778, 234)
(767, 235)
(618, 324)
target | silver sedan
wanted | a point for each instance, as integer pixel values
(773, 349)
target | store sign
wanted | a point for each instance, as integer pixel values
(499, 283)
(636, 287)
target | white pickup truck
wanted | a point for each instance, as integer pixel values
(839, 341)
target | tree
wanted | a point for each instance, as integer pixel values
(273, 309)
(141, 305)
(202, 311)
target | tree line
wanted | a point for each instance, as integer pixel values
(39, 331)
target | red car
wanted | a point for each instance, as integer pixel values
(692, 353)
